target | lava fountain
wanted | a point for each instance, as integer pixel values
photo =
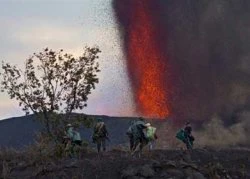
(187, 59)
(144, 63)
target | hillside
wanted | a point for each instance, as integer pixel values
(19, 132)
(227, 163)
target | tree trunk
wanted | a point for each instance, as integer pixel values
(46, 117)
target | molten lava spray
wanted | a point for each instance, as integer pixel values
(146, 64)
(187, 59)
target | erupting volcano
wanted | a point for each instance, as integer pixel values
(145, 64)
(187, 59)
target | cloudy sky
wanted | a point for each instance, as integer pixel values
(28, 26)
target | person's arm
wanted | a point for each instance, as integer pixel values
(156, 137)
(70, 133)
(95, 128)
(105, 130)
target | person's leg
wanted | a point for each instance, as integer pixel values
(142, 143)
(153, 144)
(131, 143)
(188, 145)
(68, 148)
(73, 150)
(136, 144)
(104, 144)
(98, 144)
(136, 148)
(150, 145)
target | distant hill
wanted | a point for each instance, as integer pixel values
(19, 132)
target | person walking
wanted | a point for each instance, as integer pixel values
(100, 135)
(185, 135)
(130, 136)
(189, 139)
(73, 140)
(139, 138)
(151, 135)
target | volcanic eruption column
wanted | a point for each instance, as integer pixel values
(146, 64)
(187, 59)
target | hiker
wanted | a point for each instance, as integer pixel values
(73, 139)
(100, 135)
(130, 136)
(139, 137)
(185, 135)
(188, 135)
(151, 135)
(73, 135)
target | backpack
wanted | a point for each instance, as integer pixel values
(77, 136)
(181, 135)
(129, 131)
(151, 133)
(99, 131)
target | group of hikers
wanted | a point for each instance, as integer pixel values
(139, 134)
(72, 138)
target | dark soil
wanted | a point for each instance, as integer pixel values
(115, 164)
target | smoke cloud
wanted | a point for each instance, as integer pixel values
(216, 134)
(205, 45)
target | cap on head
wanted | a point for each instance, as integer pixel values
(69, 125)
(148, 124)
(99, 119)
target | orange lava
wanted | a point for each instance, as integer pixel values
(145, 62)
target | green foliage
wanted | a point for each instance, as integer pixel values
(53, 83)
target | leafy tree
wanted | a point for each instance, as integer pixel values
(52, 83)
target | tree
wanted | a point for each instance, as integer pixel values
(52, 83)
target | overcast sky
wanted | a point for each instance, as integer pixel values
(28, 26)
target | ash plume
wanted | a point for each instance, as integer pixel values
(205, 45)
(215, 134)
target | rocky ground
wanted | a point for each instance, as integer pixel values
(115, 164)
